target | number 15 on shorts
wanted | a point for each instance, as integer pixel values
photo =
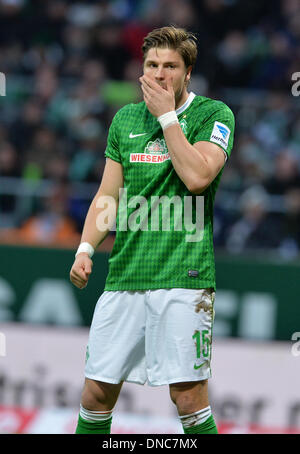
(203, 340)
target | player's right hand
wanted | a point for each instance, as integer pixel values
(81, 270)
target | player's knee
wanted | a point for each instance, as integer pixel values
(189, 397)
(181, 397)
(99, 395)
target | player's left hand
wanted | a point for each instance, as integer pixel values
(159, 100)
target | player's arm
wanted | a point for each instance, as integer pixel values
(196, 165)
(94, 233)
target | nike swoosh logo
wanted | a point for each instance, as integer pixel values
(132, 136)
(198, 367)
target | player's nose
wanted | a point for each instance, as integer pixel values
(160, 73)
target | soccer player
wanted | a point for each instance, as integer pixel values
(153, 322)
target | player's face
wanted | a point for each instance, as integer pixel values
(163, 63)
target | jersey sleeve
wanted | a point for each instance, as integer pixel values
(218, 128)
(112, 147)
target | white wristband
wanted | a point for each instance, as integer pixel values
(168, 119)
(85, 247)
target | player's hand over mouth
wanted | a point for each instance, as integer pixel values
(159, 100)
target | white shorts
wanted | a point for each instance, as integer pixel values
(155, 336)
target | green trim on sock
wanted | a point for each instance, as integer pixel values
(93, 427)
(207, 427)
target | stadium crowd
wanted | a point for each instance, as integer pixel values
(69, 66)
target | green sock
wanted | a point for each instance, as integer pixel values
(93, 427)
(207, 427)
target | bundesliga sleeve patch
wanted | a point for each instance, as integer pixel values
(220, 134)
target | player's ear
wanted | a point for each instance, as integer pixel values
(188, 74)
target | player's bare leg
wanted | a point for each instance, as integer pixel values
(191, 400)
(100, 396)
(97, 402)
(189, 396)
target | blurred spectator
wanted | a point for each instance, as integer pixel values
(290, 240)
(26, 124)
(45, 84)
(234, 61)
(285, 174)
(256, 229)
(253, 163)
(9, 161)
(132, 36)
(107, 45)
(76, 40)
(52, 225)
(181, 13)
(43, 147)
(89, 151)
(272, 127)
(276, 62)
(9, 167)
(57, 168)
(295, 135)
(83, 97)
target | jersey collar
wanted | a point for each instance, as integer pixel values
(186, 104)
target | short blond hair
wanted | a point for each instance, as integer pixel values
(175, 38)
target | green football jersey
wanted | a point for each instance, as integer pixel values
(164, 233)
